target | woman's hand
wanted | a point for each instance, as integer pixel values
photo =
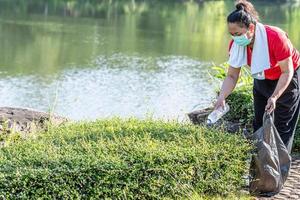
(287, 71)
(220, 103)
(271, 104)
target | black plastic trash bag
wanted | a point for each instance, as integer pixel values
(270, 163)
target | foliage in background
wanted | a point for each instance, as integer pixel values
(124, 159)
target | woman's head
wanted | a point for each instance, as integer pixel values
(242, 21)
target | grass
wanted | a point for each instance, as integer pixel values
(124, 159)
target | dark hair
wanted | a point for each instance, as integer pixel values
(244, 15)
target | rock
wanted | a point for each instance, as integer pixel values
(199, 117)
(26, 120)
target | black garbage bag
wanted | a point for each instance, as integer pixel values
(270, 163)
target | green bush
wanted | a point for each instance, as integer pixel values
(123, 159)
(241, 106)
(296, 143)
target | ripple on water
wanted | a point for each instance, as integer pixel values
(116, 85)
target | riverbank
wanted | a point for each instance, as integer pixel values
(128, 158)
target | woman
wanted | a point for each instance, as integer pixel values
(276, 86)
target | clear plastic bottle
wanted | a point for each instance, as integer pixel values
(215, 115)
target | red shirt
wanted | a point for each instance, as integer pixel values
(280, 48)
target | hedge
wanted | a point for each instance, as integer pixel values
(123, 159)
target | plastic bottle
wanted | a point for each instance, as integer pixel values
(215, 115)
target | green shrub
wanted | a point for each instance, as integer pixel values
(241, 106)
(123, 159)
(296, 142)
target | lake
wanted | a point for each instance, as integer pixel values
(95, 59)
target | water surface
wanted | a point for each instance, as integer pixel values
(87, 60)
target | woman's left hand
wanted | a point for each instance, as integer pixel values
(271, 104)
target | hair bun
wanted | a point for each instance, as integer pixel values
(240, 6)
(244, 14)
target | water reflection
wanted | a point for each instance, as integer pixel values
(165, 87)
(103, 58)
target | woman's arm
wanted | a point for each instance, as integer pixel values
(228, 85)
(287, 71)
